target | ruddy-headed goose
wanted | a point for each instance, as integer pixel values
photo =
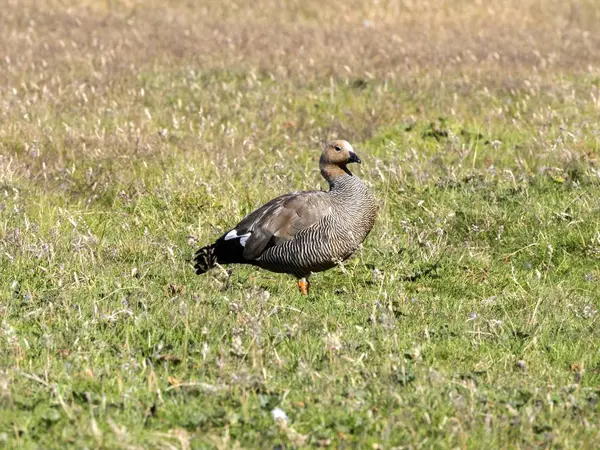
(302, 232)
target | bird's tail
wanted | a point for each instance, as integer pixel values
(205, 259)
(221, 252)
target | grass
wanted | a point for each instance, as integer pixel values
(131, 133)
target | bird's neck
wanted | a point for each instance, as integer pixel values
(334, 173)
(343, 183)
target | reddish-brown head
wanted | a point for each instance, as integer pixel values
(335, 158)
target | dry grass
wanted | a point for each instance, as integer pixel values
(129, 63)
(301, 40)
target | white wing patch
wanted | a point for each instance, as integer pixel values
(233, 235)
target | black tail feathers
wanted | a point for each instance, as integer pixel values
(205, 259)
(221, 252)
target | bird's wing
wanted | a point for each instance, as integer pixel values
(277, 221)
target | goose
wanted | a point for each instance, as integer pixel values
(302, 232)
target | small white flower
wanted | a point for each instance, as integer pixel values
(496, 323)
(333, 342)
(279, 414)
(377, 275)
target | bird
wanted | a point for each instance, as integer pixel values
(302, 232)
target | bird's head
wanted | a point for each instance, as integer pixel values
(337, 154)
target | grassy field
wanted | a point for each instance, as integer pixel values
(131, 132)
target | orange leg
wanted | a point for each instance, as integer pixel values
(304, 286)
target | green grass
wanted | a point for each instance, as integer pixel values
(469, 318)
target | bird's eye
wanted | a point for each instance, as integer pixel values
(338, 148)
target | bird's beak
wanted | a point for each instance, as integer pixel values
(354, 158)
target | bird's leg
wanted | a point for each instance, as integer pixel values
(304, 285)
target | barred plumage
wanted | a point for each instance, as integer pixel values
(302, 232)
